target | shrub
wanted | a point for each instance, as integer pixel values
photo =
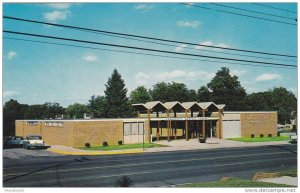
(120, 142)
(261, 135)
(105, 143)
(278, 134)
(252, 135)
(269, 135)
(87, 145)
(125, 181)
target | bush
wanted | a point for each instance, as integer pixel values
(278, 134)
(125, 181)
(120, 142)
(252, 135)
(87, 145)
(261, 135)
(105, 143)
(269, 135)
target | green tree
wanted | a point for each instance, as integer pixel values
(192, 95)
(35, 112)
(12, 111)
(166, 92)
(203, 94)
(227, 90)
(160, 92)
(277, 99)
(76, 110)
(139, 95)
(115, 94)
(98, 106)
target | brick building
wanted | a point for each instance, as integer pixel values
(155, 121)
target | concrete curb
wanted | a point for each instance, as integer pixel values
(96, 153)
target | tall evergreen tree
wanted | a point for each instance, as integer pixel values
(115, 94)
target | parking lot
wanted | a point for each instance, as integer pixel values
(20, 153)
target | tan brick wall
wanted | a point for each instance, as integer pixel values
(58, 135)
(19, 128)
(22, 129)
(258, 123)
(96, 132)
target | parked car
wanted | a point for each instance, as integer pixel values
(6, 142)
(33, 141)
(16, 141)
(293, 138)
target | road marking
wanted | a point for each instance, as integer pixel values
(118, 175)
(151, 163)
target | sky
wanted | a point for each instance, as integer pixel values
(35, 73)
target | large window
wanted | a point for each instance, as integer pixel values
(133, 128)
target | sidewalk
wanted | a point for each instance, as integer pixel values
(288, 180)
(175, 145)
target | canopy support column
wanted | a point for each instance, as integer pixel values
(203, 123)
(186, 127)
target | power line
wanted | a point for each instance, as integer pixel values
(144, 49)
(139, 53)
(274, 7)
(172, 45)
(243, 15)
(251, 11)
(145, 37)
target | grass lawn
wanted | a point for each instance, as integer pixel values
(235, 182)
(292, 173)
(258, 139)
(120, 147)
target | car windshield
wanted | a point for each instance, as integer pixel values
(34, 137)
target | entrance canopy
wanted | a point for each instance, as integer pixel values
(177, 106)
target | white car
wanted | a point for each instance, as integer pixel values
(33, 141)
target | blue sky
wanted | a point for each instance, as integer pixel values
(35, 73)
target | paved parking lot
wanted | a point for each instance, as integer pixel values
(20, 153)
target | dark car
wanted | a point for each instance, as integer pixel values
(16, 141)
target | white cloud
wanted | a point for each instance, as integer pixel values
(192, 24)
(56, 16)
(144, 7)
(59, 5)
(268, 77)
(90, 58)
(237, 72)
(182, 76)
(210, 43)
(180, 48)
(11, 55)
(9, 93)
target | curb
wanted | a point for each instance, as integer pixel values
(95, 152)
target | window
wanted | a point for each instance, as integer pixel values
(134, 129)
(54, 124)
(141, 128)
(31, 122)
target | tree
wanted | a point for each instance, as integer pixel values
(12, 111)
(192, 95)
(160, 92)
(203, 94)
(277, 99)
(98, 106)
(139, 95)
(76, 110)
(227, 90)
(115, 94)
(44, 111)
(166, 92)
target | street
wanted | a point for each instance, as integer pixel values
(147, 169)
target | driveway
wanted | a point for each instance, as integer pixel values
(20, 153)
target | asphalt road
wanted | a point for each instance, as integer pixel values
(148, 169)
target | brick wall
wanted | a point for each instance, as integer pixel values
(54, 135)
(258, 123)
(96, 132)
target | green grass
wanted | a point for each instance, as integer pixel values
(122, 147)
(235, 182)
(258, 139)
